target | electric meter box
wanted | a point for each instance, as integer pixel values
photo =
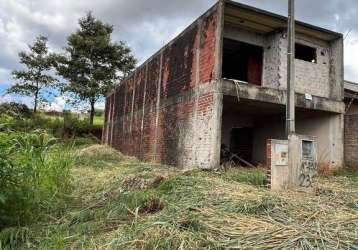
(291, 163)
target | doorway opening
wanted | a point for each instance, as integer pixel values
(241, 142)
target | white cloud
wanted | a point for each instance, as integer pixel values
(5, 76)
(28, 101)
(4, 98)
(351, 55)
(100, 105)
(58, 104)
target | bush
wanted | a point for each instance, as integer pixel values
(34, 175)
(15, 110)
(99, 112)
(73, 126)
(68, 126)
(28, 124)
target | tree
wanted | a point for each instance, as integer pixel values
(36, 77)
(92, 63)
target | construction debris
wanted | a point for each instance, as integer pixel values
(230, 159)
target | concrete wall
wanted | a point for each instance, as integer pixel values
(323, 78)
(329, 132)
(327, 128)
(168, 110)
(353, 110)
(231, 120)
(351, 141)
(312, 78)
(351, 137)
(272, 127)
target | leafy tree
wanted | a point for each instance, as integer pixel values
(93, 63)
(36, 77)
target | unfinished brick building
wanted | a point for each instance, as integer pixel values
(223, 81)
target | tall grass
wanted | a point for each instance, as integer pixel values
(68, 125)
(34, 176)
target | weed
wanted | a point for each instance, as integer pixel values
(13, 237)
(34, 174)
(152, 205)
(250, 176)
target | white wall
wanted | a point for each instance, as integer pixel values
(326, 127)
(329, 131)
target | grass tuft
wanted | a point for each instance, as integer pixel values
(14, 237)
(99, 156)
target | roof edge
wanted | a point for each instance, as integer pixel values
(283, 18)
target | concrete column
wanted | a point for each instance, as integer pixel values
(158, 108)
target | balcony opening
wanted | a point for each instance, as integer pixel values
(242, 61)
(306, 53)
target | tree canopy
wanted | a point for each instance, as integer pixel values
(36, 77)
(93, 63)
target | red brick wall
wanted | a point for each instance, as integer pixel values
(167, 87)
(207, 46)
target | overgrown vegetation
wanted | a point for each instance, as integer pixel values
(15, 110)
(74, 194)
(118, 202)
(34, 176)
(18, 117)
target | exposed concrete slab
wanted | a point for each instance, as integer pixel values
(277, 96)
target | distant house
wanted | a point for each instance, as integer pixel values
(222, 81)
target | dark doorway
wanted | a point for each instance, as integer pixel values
(242, 61)
(241, 143)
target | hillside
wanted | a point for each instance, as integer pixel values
(117, 202)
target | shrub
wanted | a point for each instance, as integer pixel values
(34, 175)
(15, 110)
(99, 112)
(68, 126)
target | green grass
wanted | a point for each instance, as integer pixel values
(118, 202)
(98, 121)
(350, 173)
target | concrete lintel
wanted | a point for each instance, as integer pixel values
(278, 96)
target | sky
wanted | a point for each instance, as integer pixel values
(145, 25)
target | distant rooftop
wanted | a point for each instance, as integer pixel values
(351, 86)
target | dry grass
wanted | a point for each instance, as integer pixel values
(121, 203)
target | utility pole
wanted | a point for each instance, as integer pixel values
(290, 107)
(293, 142)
